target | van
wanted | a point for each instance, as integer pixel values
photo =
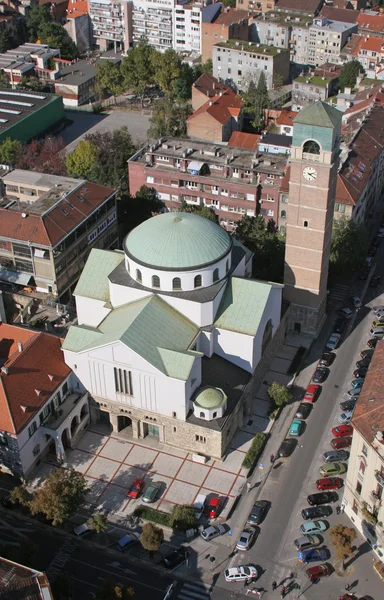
(307, 541)
(199, 505)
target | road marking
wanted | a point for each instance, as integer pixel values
(117, 565)
(16, 530)
(193, 592)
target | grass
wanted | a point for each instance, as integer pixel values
(316, 80)
(255, 450)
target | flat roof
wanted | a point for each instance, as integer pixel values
(315, 80)
(285, 18)
(76, 73)
(338, 26)
(16, 105)
(250, 47)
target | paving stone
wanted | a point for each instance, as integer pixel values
(242, 441)
(92, 442)
(166, 465)
(141, 457)
(113, 499)
(103, 469)
(79, 460)
(181, 493)
(219, 481)
(95, 489)
(116, 449)
(232, 462)
(127, 474)
(281, 365)
(193, 473)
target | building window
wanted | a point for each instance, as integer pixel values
(64, 389)
(311, 147)
(198, 281)
(216, 275)
(176, 283)
(305, 223)
(123, 381)
(202, 415)
(364, 450)
(283, 214)
(174, 430)
(200, 438)
(214, 415)
(355, 507)
(32, 428)
(155, 281)
(138, 275)
(359, 487)
(227, 266)
(362, 467)
(339, 207)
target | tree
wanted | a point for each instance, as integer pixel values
(279, 394)
(349, 74)
(229, 3)
(31, 83)
(37, 16)
(152, 537)
(278, 81)
(56, 36)
(138, 70)
(169, 118)
(342, 538)
(20, 495)
(4, 80)
(61, 587)
(61, 494)
(81, 162)
(113, 591)
(207, 67)
(256, 101)
(133, 211)
(167, 70)
(98, 522)
(10, 151)
(183, 517)
(46, 156)
(114, 148)
(350, 244)
(110, 78)
(5, 41)
(202, 210)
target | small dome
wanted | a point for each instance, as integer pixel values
(210, 397)
(177, 241)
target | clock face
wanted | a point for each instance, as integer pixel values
(309, 173)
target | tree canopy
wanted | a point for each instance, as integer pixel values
(37, 16)
(342, 538)
(256, 100)
(10, 151)
(114, 148)
(138, 70)
(349, 73)
(46, 156)
(279, 394)
(152, 537)
(56, 36)
(81, 162)
(202, 210)
(110, 78)
(167, 70)
(169, 118)
(349, 247)
(115, 591)
(183, 517)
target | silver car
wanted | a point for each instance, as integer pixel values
(345, 417)
(211, 532)
(335, 456)
(245, 540)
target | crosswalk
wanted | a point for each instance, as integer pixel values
(338, 293)
(195, 591)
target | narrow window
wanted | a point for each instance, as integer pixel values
(216, 275)
(305, 223)
(138, 275)
(227, 266)
(155, 281)
(202, 415)
(283, 214)
(198, 281)
(176, 283)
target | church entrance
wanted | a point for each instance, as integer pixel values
(151, 430)
(123, 422)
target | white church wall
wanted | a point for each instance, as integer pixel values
(121, 294)
(235, 347)
(90, 312)
(272, 311)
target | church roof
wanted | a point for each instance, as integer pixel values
(319, 114)
(93, 282)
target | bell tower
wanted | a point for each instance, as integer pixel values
(312, 190)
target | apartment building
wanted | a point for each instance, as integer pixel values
(48, 225)
(368, 50)
(206, 86)
(364, 484)
(318, 84)
(326, 40)
(187, 25)
(111, 24)
(153, 22)
(218, 118)
(256, 5)
(371, 23)
(43, 406)
(220, 24)
(233, 181)
(240, 63)
(75, 83)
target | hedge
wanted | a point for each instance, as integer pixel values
(151, 514)
(255, 450)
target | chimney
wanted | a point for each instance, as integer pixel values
(20, 346)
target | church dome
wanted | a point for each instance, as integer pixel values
(210, 397)
(177, 241)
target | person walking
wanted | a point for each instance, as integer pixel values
(272, 459)
(274, 585)
(248, 486)
(338, 510)
(347, 587)
(283, 591)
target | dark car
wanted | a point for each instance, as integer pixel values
(327, 359)
(315, 573)
(287, 447)
(348, 405)
(375, 281)
(320, 375)
(363, 275)
(316, 512)
(257, 513)
(360, 372)
(175, 558)
(364, 362)
(342, 442)
(304, 410)
(367, 353)
(322, 498)
(340, 325)
(372, 343)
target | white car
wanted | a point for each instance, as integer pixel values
(377, 332)
(245, 540)
(345, 417)
(211, 532)
(241, 573)
(333, 341)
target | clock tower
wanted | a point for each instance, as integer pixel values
(312, 190)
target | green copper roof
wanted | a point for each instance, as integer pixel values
(210, 397)
(93, 282)
(177, 241)
(242, 305)
(320, 114)
(151, 328)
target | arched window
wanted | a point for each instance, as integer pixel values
(214, 415)
(138, 275)
(155, 281)
(311, 147)
(227, 266)
(198, 281)
(305, 223)
(283, 214)
(202, 415)
(216, 275)
(267, 336)
(176, 283)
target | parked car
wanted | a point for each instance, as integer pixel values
(199, 505)
(296, 428)
(212, 531)
(152, 491)
(345, 417)
(354, 392)
(213, 507)
(364, 362)
(316, 512)
(333, 468)
(341, 442)
(348, 404)
(378, 308)
(130, 539)
(329, 483)
(246, 538)
(335, 455)
(316, 573)
(257, 513)
(312, 393)
(286, 448)
(304, 410)
(342, 430)
(241, 573)
(363, 275)
(367, 353)
(360, 372)
(333, 341)
(136, 488)
(327, 359)
(174, 559)
(375, 281)
(378, 323)
(372, 343)
(357, 383)
(345, 313)
(307, 541)
(322, 498)
(313, 527)
(372, 251)
(320, 375)
(82, 530)
(312, 555)
(356, 301)
(377, 332)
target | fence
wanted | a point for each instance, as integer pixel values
(95, 107)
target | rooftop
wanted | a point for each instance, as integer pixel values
(93, 282)
(345, 15)
(221, 107)
(276, 139)
(208, 85)
(313, 80)
(250, 47)
(248, 141)
(371, 22)
(79, 72)
(286, 117)
(16, 105)
(319, 113)
(285, 18)
(209, 12)
(306, 7)
(22, 583)
(24, 54)
(228, 16)
(337, 26)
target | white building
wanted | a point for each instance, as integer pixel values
(170, 332)
(326, 40)
(153, 22)
(110, 23)
(43, 406)
(187, 27)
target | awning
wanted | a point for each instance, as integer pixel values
(195, 166)
(40, 253)
(15, 277)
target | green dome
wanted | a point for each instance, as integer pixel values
(210, 397)
(177, 241)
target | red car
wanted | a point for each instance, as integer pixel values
(314, 573)
(312, 393)
(343, 442)
(136, 488)
(329, 483)
(213, 507)
(342, 430)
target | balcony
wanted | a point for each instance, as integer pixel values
(375, 499)
(379, 477)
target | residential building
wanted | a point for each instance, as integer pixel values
(78, 24)
(364, 483)
(218, 118)
(256, 6)
(57, 8)
(300, 7)
(318, 84)
(27, 60)
(153, 22)
(242, 63)
(43, 406)
(368, 50)
(48, 225)
(171, 333)
(187, 27)
(206, 86)
(284, 121)
(111, 24)
(326, 40)
(231, 181)
(371, 23)
(75, 83)
(23, 582)
(248, 141)
(221, 24)
(275, 143)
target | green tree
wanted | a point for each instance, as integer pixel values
(10, 151)
(256, 101)
(229, 3)
(110, 78)
(98, 522)
(114, 148)
(113, 591)
(137, 69)
(20, 495)
(350, 244)
(4, 80)
(342, 538)
(37, 16)
(183, 517)
(207, 67)
(167, 70)
(279, 394)
(169, 118)
(56, 36)
(278, 81)
(61, 587)
(349, 73)
(61, 494)
(152, 537)
(202, 210)
(133, 211)
(81, 162)
(31, 83)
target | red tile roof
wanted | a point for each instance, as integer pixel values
(33, 374)
(233, 15)
(371, 22)
(302, 6)
(371, 43)
(340, 14)
(342, 194)
(221, 107)
(286, 117)
(77, 8)
(248, 141)
(209, 85)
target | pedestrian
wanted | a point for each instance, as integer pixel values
(248, 486)
(338, 510)
(272, 459)
(274, 585)
(283, 591)
(293, 575)
(342, 508)
(347, 586)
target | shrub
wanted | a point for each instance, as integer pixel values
(255, 450)
(183, 517)
(151, 514)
